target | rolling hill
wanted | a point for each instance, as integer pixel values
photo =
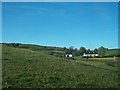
(113, 52)
(33, 66)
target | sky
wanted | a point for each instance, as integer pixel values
(0, 22)
(61, 24)
(60, 0)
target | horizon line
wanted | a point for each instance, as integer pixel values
(59, 46)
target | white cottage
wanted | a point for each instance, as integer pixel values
(68, 55)
(90, 54)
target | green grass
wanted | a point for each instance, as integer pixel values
(37, 69)
(0, 66)
(113, 52)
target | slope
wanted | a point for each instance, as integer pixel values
(35, 69)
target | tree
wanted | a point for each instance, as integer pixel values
(71, 49)
(95, 50)
(88, 50)
(66, 50)
(82, 50)
(17, 44)
(101, 51)
(75, 49)
(75, 52)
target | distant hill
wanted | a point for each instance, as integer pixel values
(113, 52)
(57, 51)
(51, 50)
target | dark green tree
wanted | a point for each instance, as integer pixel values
(101, 51)
(66, 50)
(71, 49)
(95, 50)
(82, 50)
(88, 50)
(75, 52)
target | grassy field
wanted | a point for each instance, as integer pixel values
(28, 68)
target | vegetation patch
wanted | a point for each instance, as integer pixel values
(25, 68)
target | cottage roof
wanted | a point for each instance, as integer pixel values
(90, 53)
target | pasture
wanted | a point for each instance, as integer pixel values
(27, 68)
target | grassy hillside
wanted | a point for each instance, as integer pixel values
(113, 52)
(56, 51)
(33, 67)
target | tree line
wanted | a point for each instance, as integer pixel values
(79, 52)
(76, 52)
(12, 44)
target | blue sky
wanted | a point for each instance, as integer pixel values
(61, 24)
(60, 0)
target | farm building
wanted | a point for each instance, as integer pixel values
(90, 54)
(68, 55)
